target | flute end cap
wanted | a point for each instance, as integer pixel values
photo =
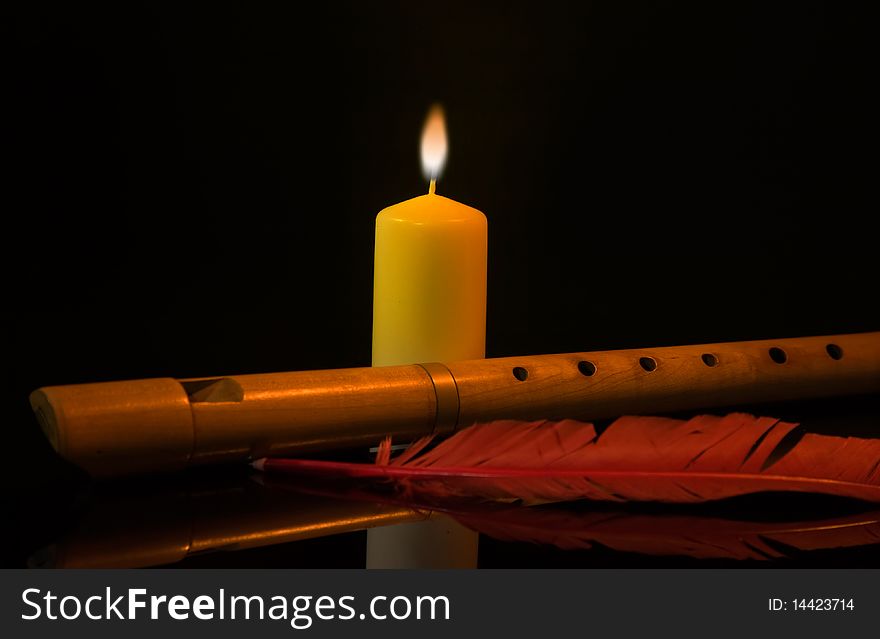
(115, 428)
(46, 417)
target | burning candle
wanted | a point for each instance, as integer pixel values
(429, 305)
(429, 292)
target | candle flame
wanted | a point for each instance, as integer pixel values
(434, 144)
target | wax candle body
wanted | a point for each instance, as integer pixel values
(429, 295)
(429, 305)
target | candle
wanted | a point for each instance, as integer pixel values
(429, 305)
(429, 295)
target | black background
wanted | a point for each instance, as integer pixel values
(191, 190)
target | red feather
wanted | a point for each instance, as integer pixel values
(634, 459)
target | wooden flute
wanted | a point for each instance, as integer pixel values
(125, 427)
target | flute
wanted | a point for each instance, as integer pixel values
(124, 427)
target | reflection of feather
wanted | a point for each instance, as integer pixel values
(692, 534)
(634, 459)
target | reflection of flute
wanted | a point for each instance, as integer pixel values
(158, 424)
(136, 526)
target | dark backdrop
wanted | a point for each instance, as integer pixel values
(192, 190)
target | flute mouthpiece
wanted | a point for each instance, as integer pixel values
(118, 427)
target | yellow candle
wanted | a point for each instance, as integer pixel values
(429, 291)
(429, 305)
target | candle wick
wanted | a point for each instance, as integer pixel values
(432, 187)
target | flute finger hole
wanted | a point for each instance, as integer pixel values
(520, 373)
(709, 359)
(648, 363)
(834, 351)
(778, 355)
(587, 369)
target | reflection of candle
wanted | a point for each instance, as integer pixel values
(429, 305)
(429, 296)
